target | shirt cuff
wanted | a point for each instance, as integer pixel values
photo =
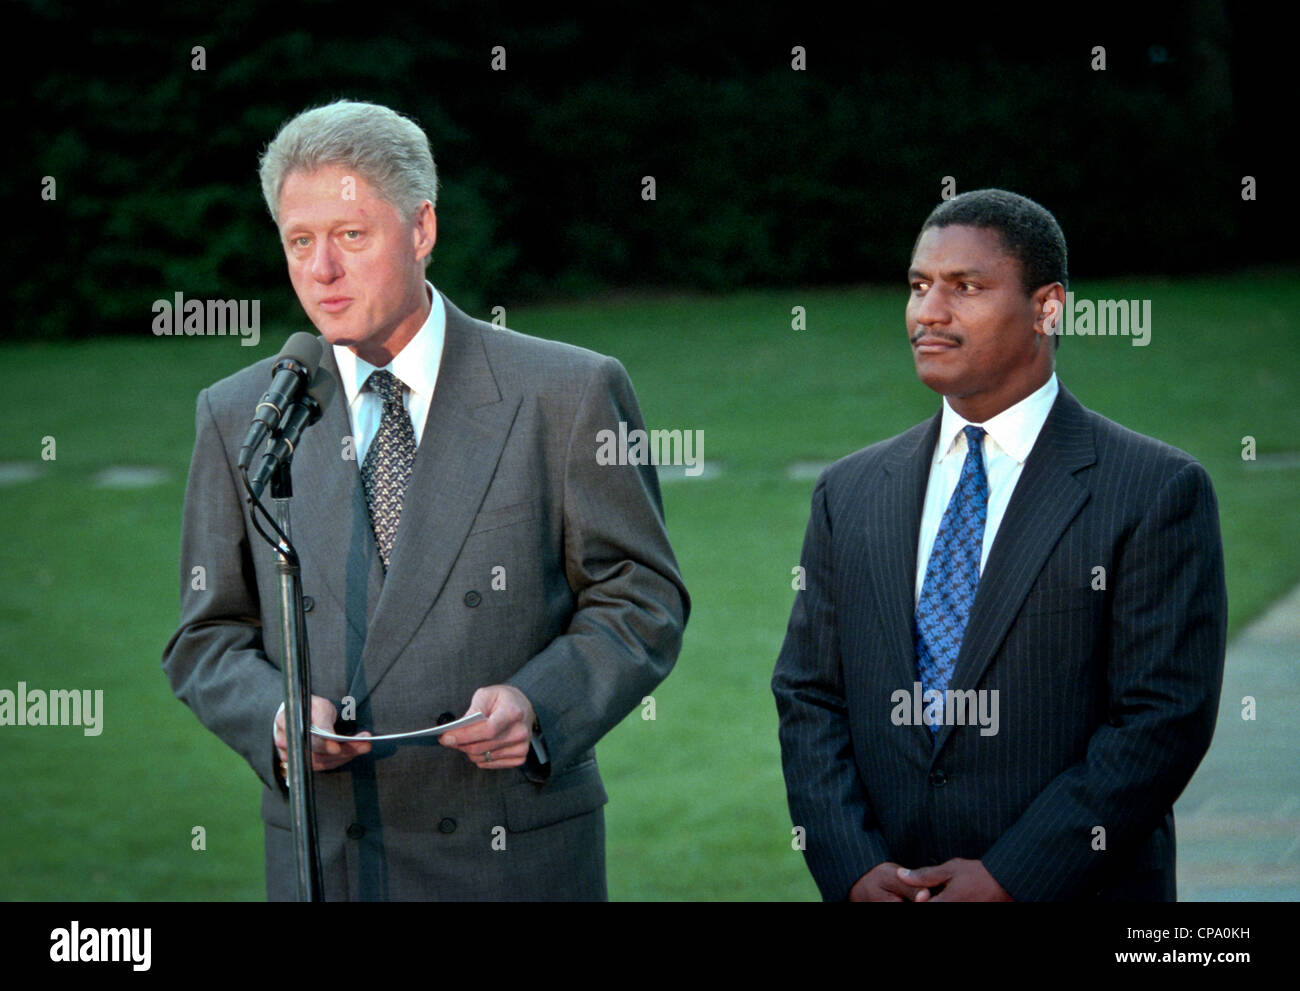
(539, 748)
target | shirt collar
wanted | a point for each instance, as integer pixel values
(1014, 430)
(416, 365)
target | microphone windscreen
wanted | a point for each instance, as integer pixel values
(304, 348)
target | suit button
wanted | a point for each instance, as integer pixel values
(356, 831)
(448, 825)
(446, 718)
(308, 603)
(472, 598)
(938, 779)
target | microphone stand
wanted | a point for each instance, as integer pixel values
(296, 663)
(296, 670)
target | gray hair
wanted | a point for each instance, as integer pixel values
(386, 149)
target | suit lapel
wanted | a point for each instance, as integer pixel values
(330, 521)
(464, 435)
(1047, 498)
(893, 530)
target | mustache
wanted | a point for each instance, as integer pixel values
(923, 332)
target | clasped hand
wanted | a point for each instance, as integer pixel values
(956, 880)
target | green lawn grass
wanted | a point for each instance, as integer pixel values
(88, 576)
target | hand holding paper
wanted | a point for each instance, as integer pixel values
(326, 753)
(502, 739)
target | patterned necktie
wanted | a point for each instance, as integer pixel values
(388, 463)
(953, 573)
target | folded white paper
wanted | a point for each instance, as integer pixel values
(470, 720)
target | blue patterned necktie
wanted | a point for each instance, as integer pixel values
(952, 574)
(388, 463)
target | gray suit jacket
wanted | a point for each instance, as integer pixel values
(1107, 696)
(505, 491)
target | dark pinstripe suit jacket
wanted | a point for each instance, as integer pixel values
(1107, 697)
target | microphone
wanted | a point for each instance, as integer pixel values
(293, 369)
(297, 418)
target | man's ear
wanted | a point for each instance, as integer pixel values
(1049, 301)
(425, 232)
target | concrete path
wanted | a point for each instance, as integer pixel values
(1238, 822)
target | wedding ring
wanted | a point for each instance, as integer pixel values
(487, 757)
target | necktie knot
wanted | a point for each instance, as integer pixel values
(386, 386)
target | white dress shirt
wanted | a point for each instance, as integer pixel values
(416, 366)
(1008, 439)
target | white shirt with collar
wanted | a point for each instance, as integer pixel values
(1008, 439)
(416, 366)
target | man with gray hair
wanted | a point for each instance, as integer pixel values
(462, 550)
